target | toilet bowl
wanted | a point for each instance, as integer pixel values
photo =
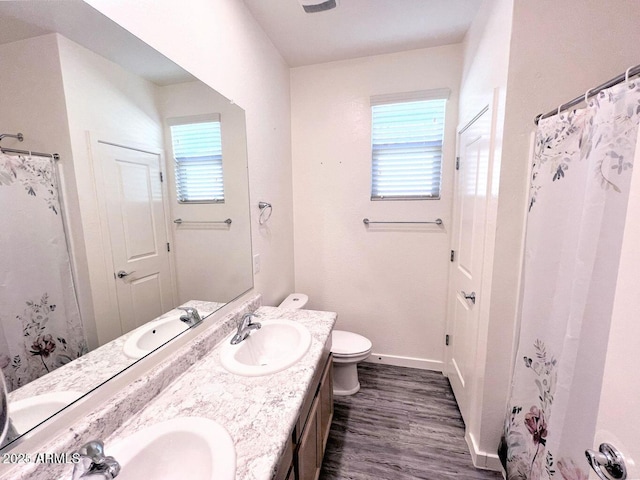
(347, 348)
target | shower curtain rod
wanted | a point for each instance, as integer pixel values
(54, 156)
(631, 72)
(20, 138)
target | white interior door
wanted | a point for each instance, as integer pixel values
(619, 416)
(468, 247)
(137, 232)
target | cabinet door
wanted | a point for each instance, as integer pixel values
(292, 475)
(285, 467)
(326, 405)
(308, 451)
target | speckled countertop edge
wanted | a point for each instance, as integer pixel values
(258, 412)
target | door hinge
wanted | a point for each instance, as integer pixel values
(161, 177)
(457, 163)
(168, 247)
(446, 340)
(453, 255)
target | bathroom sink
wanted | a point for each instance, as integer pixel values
(29, 412)
(185, 447)
(151, 335)
(274, 347)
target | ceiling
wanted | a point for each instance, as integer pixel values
(76, 20)
(359, 28)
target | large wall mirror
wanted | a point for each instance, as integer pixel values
(146, 208)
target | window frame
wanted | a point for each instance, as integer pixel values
(188, 120)
(408, 97)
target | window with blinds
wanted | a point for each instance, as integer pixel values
(407, 137)
(197, 151)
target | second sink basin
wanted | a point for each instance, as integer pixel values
(274, 347)
(150, 336)
(29, 412)
(187, 447)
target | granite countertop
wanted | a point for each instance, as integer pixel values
(258, 412)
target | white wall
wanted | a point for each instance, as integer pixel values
(108, 101)
(387, 283)
(32, 95)
(557, 51)
(213, 262)
(221, 44)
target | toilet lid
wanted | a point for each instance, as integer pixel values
(348, 343)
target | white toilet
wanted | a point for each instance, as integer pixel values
(347, 348)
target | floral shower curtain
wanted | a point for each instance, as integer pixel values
(40, 326)
(579, 190)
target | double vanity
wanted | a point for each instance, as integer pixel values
(207, 409)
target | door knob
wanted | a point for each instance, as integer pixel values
(608, 463)
(122, 274)
(471, 296)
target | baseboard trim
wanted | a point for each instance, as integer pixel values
(483, 460)
(411, 362)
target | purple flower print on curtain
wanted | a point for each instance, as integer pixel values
(579, 191)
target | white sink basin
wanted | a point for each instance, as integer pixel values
(29, 412)
(187, 447)
(274, 347)
(150, 336)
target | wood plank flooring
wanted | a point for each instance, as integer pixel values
(403, 424)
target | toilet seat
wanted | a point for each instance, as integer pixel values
(349, 344)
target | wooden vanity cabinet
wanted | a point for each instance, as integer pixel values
(303, 457)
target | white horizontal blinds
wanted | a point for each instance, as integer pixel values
(197, 150)
(407, 136)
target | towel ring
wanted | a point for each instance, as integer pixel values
(264, 207)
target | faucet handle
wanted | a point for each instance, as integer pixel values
(192, 316)
(93, 450)
(93, 462)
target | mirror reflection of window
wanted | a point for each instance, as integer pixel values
(197, 152)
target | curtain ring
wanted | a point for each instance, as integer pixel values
(586, 97)
(559, 109)
(626, 77)
(538, 118)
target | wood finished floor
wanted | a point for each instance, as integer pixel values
(402, 424)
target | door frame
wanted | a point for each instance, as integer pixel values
(478, 383)
(103, 290)
(452, 291)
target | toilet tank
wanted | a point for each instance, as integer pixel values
(294, 301)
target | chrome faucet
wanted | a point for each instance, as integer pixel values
(244, 328)
(191, 317)
(93, 464)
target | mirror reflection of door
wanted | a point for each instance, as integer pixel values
(137, 230)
